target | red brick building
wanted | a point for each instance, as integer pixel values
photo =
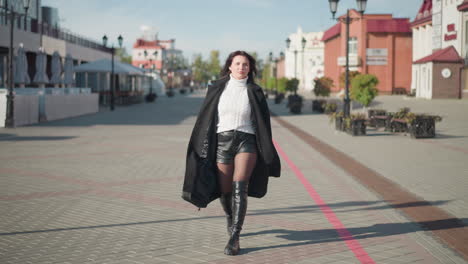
(379, 44)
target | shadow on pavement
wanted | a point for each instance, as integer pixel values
(165, 111)
(285, 210)
(38, 138)
(341, 207)
(332, 235)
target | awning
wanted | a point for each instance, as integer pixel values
(105, 65)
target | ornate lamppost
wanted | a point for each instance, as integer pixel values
(288, 44)
(10, 117)
(275, 70)
(112, 90)
(347, 20)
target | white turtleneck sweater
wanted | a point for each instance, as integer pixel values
(234, 107)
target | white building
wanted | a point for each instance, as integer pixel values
(422, 47)
(439, 43)
(305, 64)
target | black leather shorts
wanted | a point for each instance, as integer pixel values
(232, 142)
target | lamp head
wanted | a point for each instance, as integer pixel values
(120, 39)
(26, 4)
(333, 6)
(288, 43)
(361, 4)
(104, 40)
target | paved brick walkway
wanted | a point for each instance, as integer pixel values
(105, 188)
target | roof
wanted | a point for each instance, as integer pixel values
(424, 13)
(395, 25)
(152, 43)
(332, 32)
(105, 65)
(449, 54)
(463, 6)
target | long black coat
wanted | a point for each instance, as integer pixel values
(201, 181)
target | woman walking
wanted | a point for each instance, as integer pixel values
(230, 154)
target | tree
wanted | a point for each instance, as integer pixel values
(200, 70)
(265, 76)
(123, 56)
(214, 67)
(352, 74)
(271, 83)
(291, 85)
(282, 84)
(260, 66)
(323, 86)
(363, 88)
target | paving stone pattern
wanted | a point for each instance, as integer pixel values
(105, 188)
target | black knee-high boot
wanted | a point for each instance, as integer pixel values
(239, 208)
(226, 203)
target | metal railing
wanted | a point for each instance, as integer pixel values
(35, 26)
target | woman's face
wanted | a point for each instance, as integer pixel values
(240, 67)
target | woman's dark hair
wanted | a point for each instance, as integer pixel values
(252, 64)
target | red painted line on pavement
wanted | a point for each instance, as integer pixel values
(344, 233)
(447, 146)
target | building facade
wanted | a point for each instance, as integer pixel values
(306, 63)
(160, 56)
(379, 44)
(34, 34)
(422, 47)
(440, 39)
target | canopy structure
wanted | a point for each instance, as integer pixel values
(56, 67)
(21, 68)
(68, 71)
(105, 66)
(129, 81)
(41, 77)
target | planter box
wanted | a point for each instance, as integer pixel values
(295, 104)
(151, 97)
(372, 114)
(318, 105)
(422, 127)
(279, 98)
(339, 124)
(295, 107)
(399, 126)
(357, 128)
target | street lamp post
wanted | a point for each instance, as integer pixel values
(288, 44)
(10, 111)
(274, 69)
(112, 90)
(347, 20)
(26, 7)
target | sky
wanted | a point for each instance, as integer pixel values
(200, 26)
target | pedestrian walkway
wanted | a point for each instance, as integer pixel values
(106, 188)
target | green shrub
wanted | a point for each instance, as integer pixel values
(282, 84)
(323, 86)
(363, 88)
(291, 85)
(352, 74)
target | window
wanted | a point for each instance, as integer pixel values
(353, 46)
(466, 37)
